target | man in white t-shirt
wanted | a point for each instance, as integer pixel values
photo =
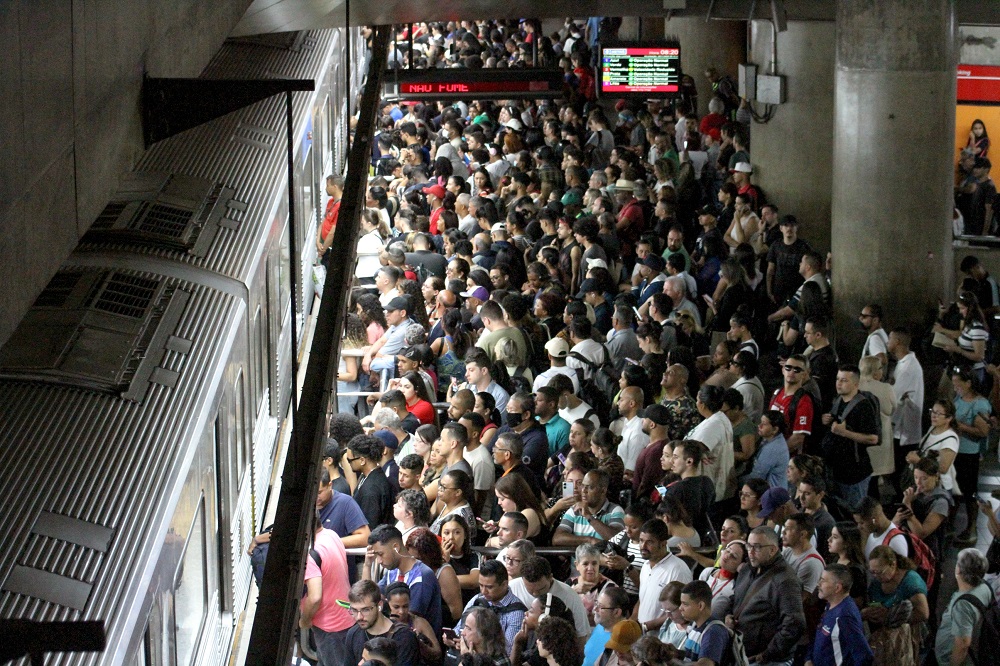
(558, 350)
(716, 433)
(908, 390)
(872, 521)
(661, 567)
(634, 440)
(877, 343)
(586, 353)
(571, 408)
(537, 581)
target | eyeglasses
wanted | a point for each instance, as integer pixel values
(759, 546)
(865, 316)
(440, 487)
(610, 609)
(360, 611)
(793, 368)
(933, 413)
(350, 460)
(502, 450)
(748, 496)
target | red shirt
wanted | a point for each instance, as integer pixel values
(435, 216)
(801, 421)
(754, 195)
(423, 410)
(330, 219)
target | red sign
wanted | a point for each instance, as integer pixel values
(471, 88)
(978, 83)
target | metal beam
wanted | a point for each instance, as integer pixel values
(274, 625)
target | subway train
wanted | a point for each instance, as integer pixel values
(143, 395)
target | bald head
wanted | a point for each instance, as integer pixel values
(630, 401)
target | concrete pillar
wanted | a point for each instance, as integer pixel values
(792, 153)
(894, 129)
(705, 44)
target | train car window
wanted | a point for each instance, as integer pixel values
(191, 590)
(258, 354)
(284, 272)
(242, 444)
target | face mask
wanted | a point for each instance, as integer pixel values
(514, 420)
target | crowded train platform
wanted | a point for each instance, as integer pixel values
(591, 406)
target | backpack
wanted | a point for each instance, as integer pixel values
(259, 557)
(600, 388)
(986, 633)
(876, 405)
(810, 388)
(736, 655)
(920, 553)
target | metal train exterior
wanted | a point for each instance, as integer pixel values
(142, 397)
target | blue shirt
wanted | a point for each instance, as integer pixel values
(510, 621)
(394, 340)
(594, 648)
(425, 593)
(709, 641)
(966, 412)
(342, 515)
(557, 432)
(771, 461)
(840, 638)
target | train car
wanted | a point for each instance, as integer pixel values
(142, 396)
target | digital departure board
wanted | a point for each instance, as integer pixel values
(465, 84)
(640, 70)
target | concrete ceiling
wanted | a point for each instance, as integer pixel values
(266, 16)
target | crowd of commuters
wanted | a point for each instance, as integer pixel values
(595, 333)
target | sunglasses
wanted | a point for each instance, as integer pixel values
(794, 368)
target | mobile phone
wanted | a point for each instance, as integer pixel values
(449, 633)
(561, 458)
(567, 489)
(662, 490)
(685, 144)
(637, 315)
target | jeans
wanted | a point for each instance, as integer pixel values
(851, 494)
(331, 646)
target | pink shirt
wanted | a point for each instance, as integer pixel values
(331, 616)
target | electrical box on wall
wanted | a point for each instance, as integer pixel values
(771, 89)
(748, 81)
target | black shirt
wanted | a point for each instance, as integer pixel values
(849, 461)
(374, 495)
(697, 494)
(786, 260)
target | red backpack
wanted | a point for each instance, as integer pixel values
(920, 553)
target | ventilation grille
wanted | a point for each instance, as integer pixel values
(58, 290)
(99, 330)
(127, 295)
(163, 220)
(172, 212)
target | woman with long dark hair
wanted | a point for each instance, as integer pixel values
(846, 547)
(450, 348)
(972, 414)
(969, 348)
(456, 545)
(424, 545)
(418, 402)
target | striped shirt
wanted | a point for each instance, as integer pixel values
(610, 514)
(973, 332)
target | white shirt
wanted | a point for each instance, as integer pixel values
(369, 247)
(566, 594)
(876, 344)
(634, 440)
(579, 412)
(652, 579)
(716, 432)
(388, 296)
(589, 349)
(909, 382)
(543, 378)
(898, 542)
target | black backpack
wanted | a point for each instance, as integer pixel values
(258, 558)
(986, 633)
(600, 389)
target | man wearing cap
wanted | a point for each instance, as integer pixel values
(783, 261)
(741, 178)
(557, 350)
(474, 298)
(708, 220)
(648, 470)
(382, 354)
(619, 646)
(767, 601)
(433, 263)
(390, 443)
(591, 294)
(651, 272)
(631, 221)
(435, 198)
(775, 507)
